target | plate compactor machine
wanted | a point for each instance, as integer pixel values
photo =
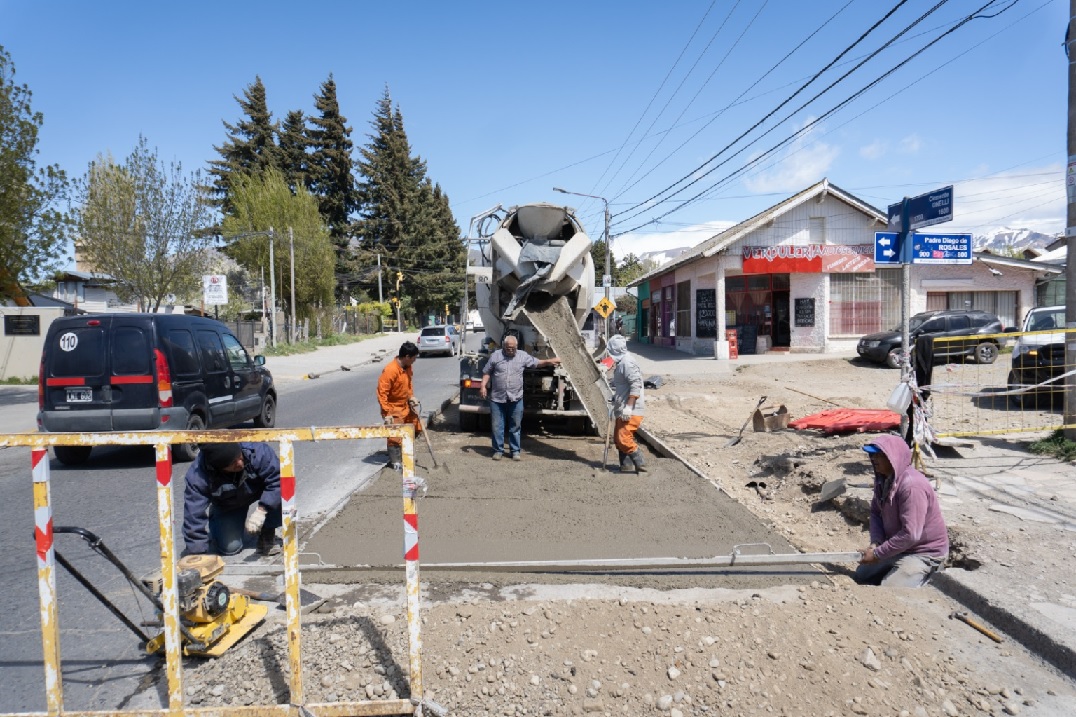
(212, 617)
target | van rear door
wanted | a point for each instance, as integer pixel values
(135, 404)
(77, 391)
(218, 379)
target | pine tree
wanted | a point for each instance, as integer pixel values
(251, 145)
(329, 177)
(406, 218)
(294, 162)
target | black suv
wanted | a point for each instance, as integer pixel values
(885, 346)
(138, 372)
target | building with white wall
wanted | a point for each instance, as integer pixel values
(800, 276)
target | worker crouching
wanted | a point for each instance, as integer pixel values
(397, 399)
(628, 405)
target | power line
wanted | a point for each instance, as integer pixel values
(774, 111)
(809, 125)
(714, 117)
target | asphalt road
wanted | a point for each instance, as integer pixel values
(114, 496)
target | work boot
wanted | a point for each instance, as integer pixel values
(626, 465)
(637, 459)
(498, 456)
(396, 458)
(267, 543)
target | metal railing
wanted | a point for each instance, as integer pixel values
(39, 444)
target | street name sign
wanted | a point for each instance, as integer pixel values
(924, 211)
(886, 248)
(941, 248)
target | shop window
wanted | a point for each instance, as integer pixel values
(683, 308)
(780, 282)
(864, 303)
(758, 282)
(735, 284)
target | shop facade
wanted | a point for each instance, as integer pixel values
(801, 277)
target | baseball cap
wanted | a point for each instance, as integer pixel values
(871, 448)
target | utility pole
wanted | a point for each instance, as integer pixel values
(399, 280)
(1070, 231)
(272, 291)
(380, 298)
(294, 324)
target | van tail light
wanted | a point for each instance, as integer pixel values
(164, 380)
(448, 339)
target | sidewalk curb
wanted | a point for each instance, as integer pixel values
(1032, 638)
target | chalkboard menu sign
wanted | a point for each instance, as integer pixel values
(804, 312)
(22, 325)
(706, 313)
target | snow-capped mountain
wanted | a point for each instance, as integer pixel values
(1009, 241)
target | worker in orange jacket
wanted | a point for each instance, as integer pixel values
(397, 398)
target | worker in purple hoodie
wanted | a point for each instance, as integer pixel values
(909, 541)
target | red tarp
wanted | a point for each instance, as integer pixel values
(840, 420)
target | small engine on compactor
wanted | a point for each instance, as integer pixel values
(213, 618)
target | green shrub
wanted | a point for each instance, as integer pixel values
(1057, 446)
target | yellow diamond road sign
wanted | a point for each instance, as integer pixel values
(604, 307)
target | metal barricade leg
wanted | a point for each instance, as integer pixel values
(291, 570)
(46, 580)
(169, 590)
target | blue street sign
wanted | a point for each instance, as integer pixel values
(941, 248)
(886, 248)
(925, 210)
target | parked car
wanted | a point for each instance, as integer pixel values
(1039, 357)
(137, 372)
(885, 346)
(439, 339)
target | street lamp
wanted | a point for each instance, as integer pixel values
(608, 249)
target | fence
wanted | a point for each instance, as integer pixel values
(1021, 392)
(162, 440)
(349, 321)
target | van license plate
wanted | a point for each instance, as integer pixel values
(79, 395)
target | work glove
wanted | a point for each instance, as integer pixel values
(414, 404)
(255, 521)
(625, 413)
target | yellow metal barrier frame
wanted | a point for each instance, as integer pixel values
(39, 444)
(1002, 339)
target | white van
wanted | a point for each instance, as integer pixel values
(1043, 318)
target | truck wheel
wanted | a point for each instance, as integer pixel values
(266, 417)
(187, 452)
(986, 352)
(468, 421)
(72, 455)
(892, 359)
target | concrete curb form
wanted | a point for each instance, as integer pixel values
(663, 450)
(1031, 637)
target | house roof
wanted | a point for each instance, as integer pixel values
(1014, 263)
(720, 242)
(87, 276)
(1058, 255)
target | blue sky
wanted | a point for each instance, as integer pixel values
(620, 99)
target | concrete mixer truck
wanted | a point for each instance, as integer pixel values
(534, 278)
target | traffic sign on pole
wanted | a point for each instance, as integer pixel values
(886, 248)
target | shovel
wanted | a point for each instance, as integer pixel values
(608, 435)
(426, 435)
(734, 441)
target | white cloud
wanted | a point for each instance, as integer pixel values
(911, 144)
(874, 150)
(1028, 198)
(805, 162)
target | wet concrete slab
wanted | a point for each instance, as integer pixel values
(557, 503)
